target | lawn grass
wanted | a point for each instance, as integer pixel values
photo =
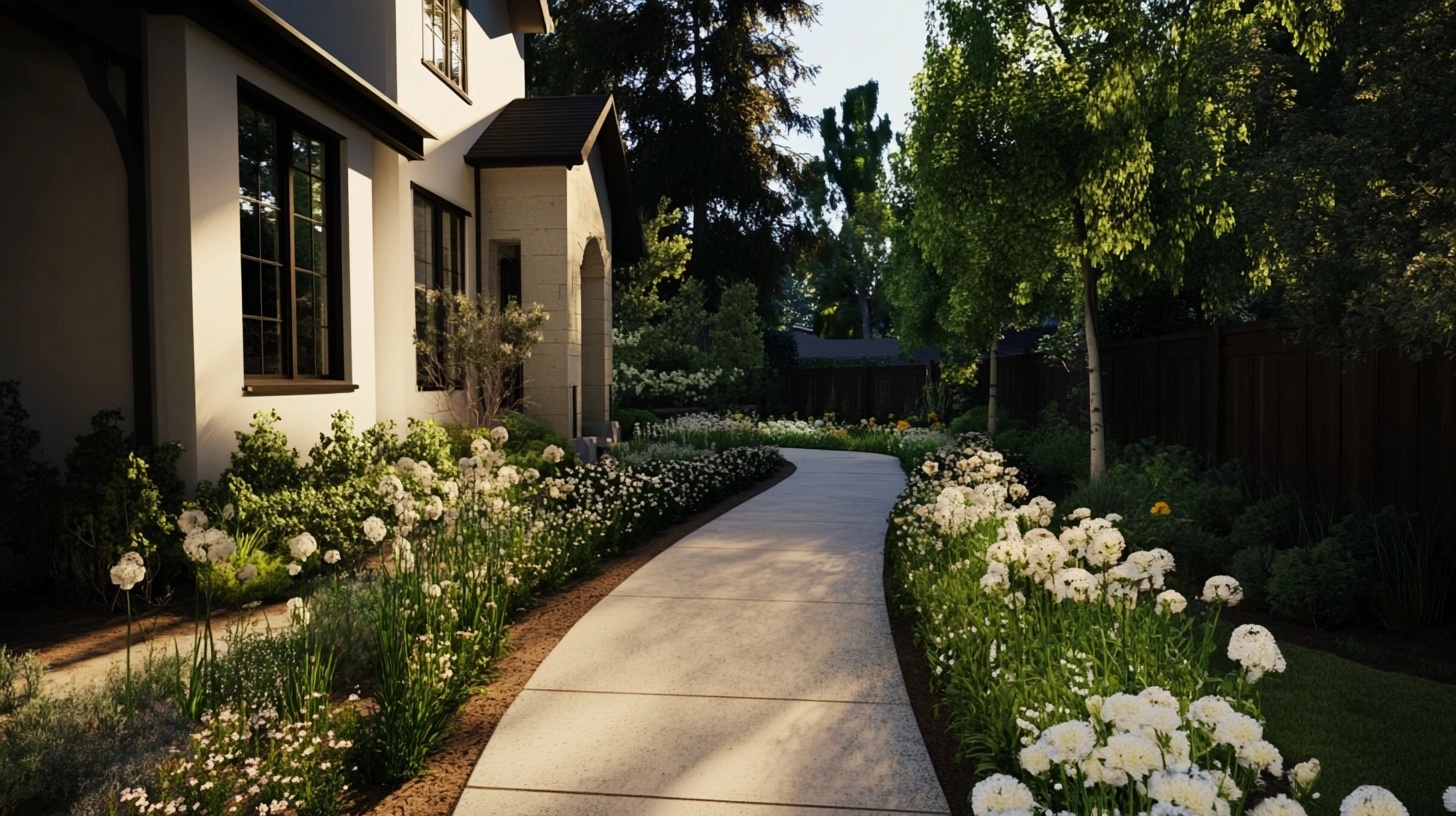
(1367, 727)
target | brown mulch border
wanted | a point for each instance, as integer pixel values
(532, 637)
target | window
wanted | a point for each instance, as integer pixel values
(290, 268)
(445, 39)
(439, 267)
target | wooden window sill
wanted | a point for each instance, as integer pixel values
(281, 388)
(445, 78)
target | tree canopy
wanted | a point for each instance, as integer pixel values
(705, 88)
(1075, 147)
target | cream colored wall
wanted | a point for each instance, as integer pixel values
(65, 307)
(496, 74)
(590, 219)
(198, 299)
(358, 33)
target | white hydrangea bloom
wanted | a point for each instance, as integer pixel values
(129, 571)
(479, 446)
(1104, 548)
(1372, 800)
(1171, 602)
(1280, 805)
(1449, 799)
(1069, 742)
(191, 521)
(302, 546)
(500, 434)
(1253, 647)
(553, 454)
(374, 529)
(999, 794)
(1222, 589)
(1194, 790)
(332, 557)
(1074, 584)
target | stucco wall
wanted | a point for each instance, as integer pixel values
(358, 33)
(196, 245)
(65, 308)
(495, 75)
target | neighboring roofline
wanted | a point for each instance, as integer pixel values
(254, 30)
(628, 245)
(530, 17)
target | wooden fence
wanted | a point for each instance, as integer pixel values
(855, 393)
(1370, 433)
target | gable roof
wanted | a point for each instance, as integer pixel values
(562, 131)
(530, 17)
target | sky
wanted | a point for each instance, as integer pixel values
(856, 41)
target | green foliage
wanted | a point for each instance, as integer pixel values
(20, 678)
(469, 353)
(27, 522)
(1324, 585)
(118, 497)
(1251, 566)
(630, 418)
(263, 460)
(1055, 449)
(428, 441)
(706, 91)
(640, 292)
(271, 581)
(1413, 567)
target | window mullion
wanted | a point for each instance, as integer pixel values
(285, 154)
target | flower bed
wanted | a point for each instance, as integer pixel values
(899, 438)
(271, 729)
(1065, 663)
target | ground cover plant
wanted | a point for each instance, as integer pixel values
(1071, 671)
(364, 679)
(901, 438)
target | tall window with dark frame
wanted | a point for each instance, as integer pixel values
(445, 39)
(439, 268)
(289, 266)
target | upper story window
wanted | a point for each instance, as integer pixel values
(445, 39)
(439, 271)
(290, 251)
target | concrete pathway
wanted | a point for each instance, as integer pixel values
(747, 670)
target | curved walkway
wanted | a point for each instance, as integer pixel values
(747, 670)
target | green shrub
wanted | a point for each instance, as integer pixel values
(1251, 566)
(1324, 585)
(118, 497)
(428, 441)
(630, 418)
(27, 518)
(20, 677)
(974, 421)
(1410, 568)
(270, 582)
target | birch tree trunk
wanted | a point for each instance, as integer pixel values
(1094, 354)
(991, 403)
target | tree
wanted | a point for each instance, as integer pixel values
(1353, 183)
(1058, 142)
(469, 360)
(843, 185)
(705, 89)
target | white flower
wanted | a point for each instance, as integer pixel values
(930, 468)
(374, 529)
(1449, 798)
(228, 511)
(1253, 647)
(998, 794)
(294, 569)
(553, 454)
(1068, 742)
(433, 508)
(1280, 805)
(1105, 548)
(1237, 730)
(1079, 514)
(1222, 589)
(1171, 602)
(433, 590)
(195, 546)
(297, 611)
(1193, 790)
(1372, 800)
(500, 434)
(1209, 711)
(191, 520)
(1035, 760)
(1074, 584)
(302, 546)
(219, 546)
(479, 446)
(390, 487)
(1131, 754)
(405, 465)
(129, 571)
(1260, 756)
(1303, 776)
(247, 573)
(531, 474)
(332, 557)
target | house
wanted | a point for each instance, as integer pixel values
(216, 207)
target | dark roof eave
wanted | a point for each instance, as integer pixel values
(530, 17)
(252, 29)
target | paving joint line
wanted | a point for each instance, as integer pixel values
(716, 697)
(713, 801)
(742, 600)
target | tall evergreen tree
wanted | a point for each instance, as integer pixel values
(705, 89)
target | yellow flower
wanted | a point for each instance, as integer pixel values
(1160, 509)
(842, 432)
(902, 425)
(932, 416)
